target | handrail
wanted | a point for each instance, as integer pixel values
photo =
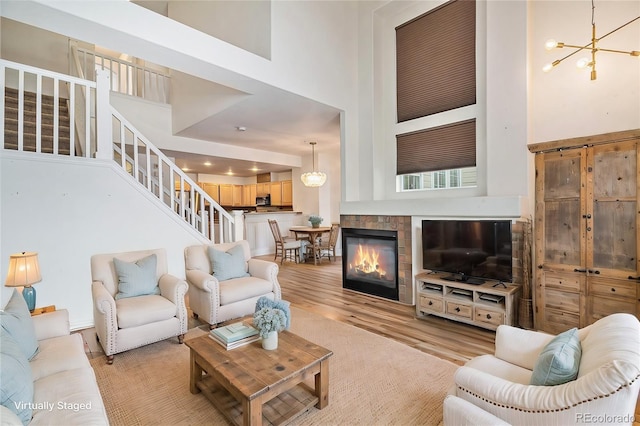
(127, 77)
(118, 140)
(185, 206)
(25, 78)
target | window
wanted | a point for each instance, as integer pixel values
(436, 73)
(441, 179)
(435, 61)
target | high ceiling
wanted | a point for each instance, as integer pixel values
(270, 119)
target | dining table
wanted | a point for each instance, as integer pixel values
(312, 234)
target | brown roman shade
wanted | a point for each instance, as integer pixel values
(435, 61)
(452, 146)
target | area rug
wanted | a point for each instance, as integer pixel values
(372, 381)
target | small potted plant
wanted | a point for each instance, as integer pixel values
(269, 321)
(315, 221)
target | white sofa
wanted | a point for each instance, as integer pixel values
(65, 391)
(604, 392)
(215, 301)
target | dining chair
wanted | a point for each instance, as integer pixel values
(285, 248)
(326, 247)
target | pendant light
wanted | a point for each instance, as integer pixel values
(313, 179)
(592, 47)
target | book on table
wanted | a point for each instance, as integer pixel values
(235, 344)
(233, 332)
(234, 335)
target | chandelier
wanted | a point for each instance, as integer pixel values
(593, 47)
(313, 179)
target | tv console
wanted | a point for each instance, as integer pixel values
(486, 305)
(461, 278)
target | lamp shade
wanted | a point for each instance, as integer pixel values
(313, 179)
(23, 270)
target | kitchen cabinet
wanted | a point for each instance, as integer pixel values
(263, 188)
(249, 195)
(226, 194)
(587, 232)
(276, 193)
(212, 189)
(237, 195)
(287, 193)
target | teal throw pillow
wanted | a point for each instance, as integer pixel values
(16, 320)
(16, 379)
(137, 278)
(559, 361)
(229, 264)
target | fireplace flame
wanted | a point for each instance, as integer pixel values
(366, 261)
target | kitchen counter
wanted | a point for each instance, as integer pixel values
(272, 212)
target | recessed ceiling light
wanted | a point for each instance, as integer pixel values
(207, 163)
(185, 169)
(254, 169)
(229, 173)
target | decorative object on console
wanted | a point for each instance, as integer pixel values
(313, 179)
(23, 272)
(315, 221)
(270, 321)
(585, 62)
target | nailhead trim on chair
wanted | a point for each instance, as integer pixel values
(546, 411)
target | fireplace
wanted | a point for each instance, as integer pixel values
(370, 261)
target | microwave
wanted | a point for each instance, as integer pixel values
(264, 200)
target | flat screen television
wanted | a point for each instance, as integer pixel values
(471, 250)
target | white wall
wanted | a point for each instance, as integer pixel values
(564, 102)
(69, 210)
(246, 24)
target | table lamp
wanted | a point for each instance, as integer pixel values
(24, 271)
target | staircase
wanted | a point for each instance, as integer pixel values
(92, 130)
(48, 142)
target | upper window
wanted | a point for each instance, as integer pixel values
(436, 72)
(435, 61)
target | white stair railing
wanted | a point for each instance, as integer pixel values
(47, 133)
(168, 182)
(113, 137)
(126, 77)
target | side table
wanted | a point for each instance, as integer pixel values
(43, 310)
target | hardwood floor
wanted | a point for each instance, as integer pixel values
(318, 289)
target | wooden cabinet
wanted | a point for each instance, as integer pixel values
(263, 188)
(249, 195)
(587, 229)
(486, 305)
(276, 193)
(226, 194)
(237, 195)
(212, 189)
(287, 193)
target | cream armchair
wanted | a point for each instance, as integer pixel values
(604, 392)
(128, 323)
(213, 300)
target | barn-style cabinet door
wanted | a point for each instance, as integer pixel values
(587, 231)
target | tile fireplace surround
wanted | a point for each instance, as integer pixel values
(401, 224)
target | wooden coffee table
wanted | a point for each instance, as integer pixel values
(253, 386)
